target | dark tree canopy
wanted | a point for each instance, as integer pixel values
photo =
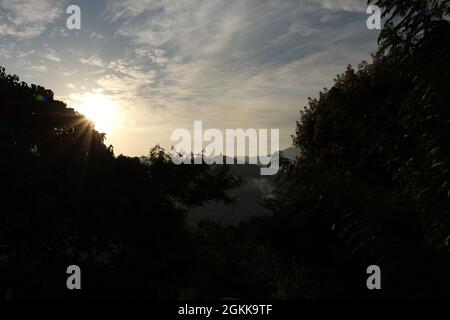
(372, 184)
(66, 199)
(410, 21)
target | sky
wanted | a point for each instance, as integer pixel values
(163, 64)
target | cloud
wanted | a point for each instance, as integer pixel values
(96, 36)
(243, 63)
(127, 82)
(39, 68)
(52, 55)
(207, 48)
(157, 56)
(93, 61)
(25, 19)
(236, 63)
(344, 5)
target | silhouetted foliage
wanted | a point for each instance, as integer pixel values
(372, 183)
(408, 22)
(66, 199)
(371, 186)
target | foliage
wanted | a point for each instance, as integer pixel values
(68, 200)
(408, 22)
(371, 186)
(372, 183)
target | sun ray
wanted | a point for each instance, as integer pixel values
(101, 110)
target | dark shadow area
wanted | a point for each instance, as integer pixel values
(367, 182)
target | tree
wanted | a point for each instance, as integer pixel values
(372, 183)
(68, 200)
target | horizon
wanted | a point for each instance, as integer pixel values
(142, 69)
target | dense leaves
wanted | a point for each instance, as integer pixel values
(66, 199)
(372, 183)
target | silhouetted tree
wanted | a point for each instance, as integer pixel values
(66, 199)
(371, 186)
(372, 183)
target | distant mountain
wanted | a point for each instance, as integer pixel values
(291, 153)
(254, 190)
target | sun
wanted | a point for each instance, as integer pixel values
(101, 110)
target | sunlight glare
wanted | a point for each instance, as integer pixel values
(101, 110)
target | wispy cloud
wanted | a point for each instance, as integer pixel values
(344, 5)
(166, 63)
(52, 55)
(25, 19)
(96, 36)
(211, 48)
(39, 68)
(93, 61)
